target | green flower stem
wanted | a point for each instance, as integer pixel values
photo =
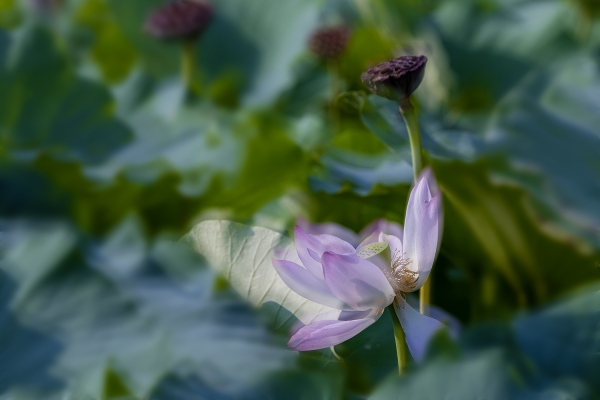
(414, 135)
(334, 88)
(400, 341)
(584, 27)
(334, 80)
(188, 64)
(425, 297)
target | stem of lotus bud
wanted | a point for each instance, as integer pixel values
(414, 135)
(334, 80)
(400, 339)
(188, 64)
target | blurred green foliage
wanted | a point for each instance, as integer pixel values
(106, 161)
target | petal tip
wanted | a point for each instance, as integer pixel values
(434, 203)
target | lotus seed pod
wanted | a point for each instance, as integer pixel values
(182, 19)
(329, 43)
(396, 79)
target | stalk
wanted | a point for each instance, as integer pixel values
(425, 297)
(400, 341)
(414, 135)
(334, 88)
(188, 64)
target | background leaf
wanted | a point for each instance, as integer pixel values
(45, 107)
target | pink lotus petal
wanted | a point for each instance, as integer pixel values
(328, 228)
(323, 334)
(356, 282)
(379, 260)
(372, 238)
(385, 226)
(418, 329)
(420, 196)
(427, 173)
(435, 191)
(427, 237)
(452, 323)
(318, 244)
(396, 248)
(307, 285)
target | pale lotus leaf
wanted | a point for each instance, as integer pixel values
(242, 254)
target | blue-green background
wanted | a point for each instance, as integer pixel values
(106, 162)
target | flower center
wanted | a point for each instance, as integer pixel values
(404, 278)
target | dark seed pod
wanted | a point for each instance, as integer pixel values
(329, 43)
(183, 19)
(396, 79)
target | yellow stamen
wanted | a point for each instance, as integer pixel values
(405, 279)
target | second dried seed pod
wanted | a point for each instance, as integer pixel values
(45, 6)
(329, 43)
(183, 19)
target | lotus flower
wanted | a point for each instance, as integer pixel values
(362, 282)
(331, 228)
